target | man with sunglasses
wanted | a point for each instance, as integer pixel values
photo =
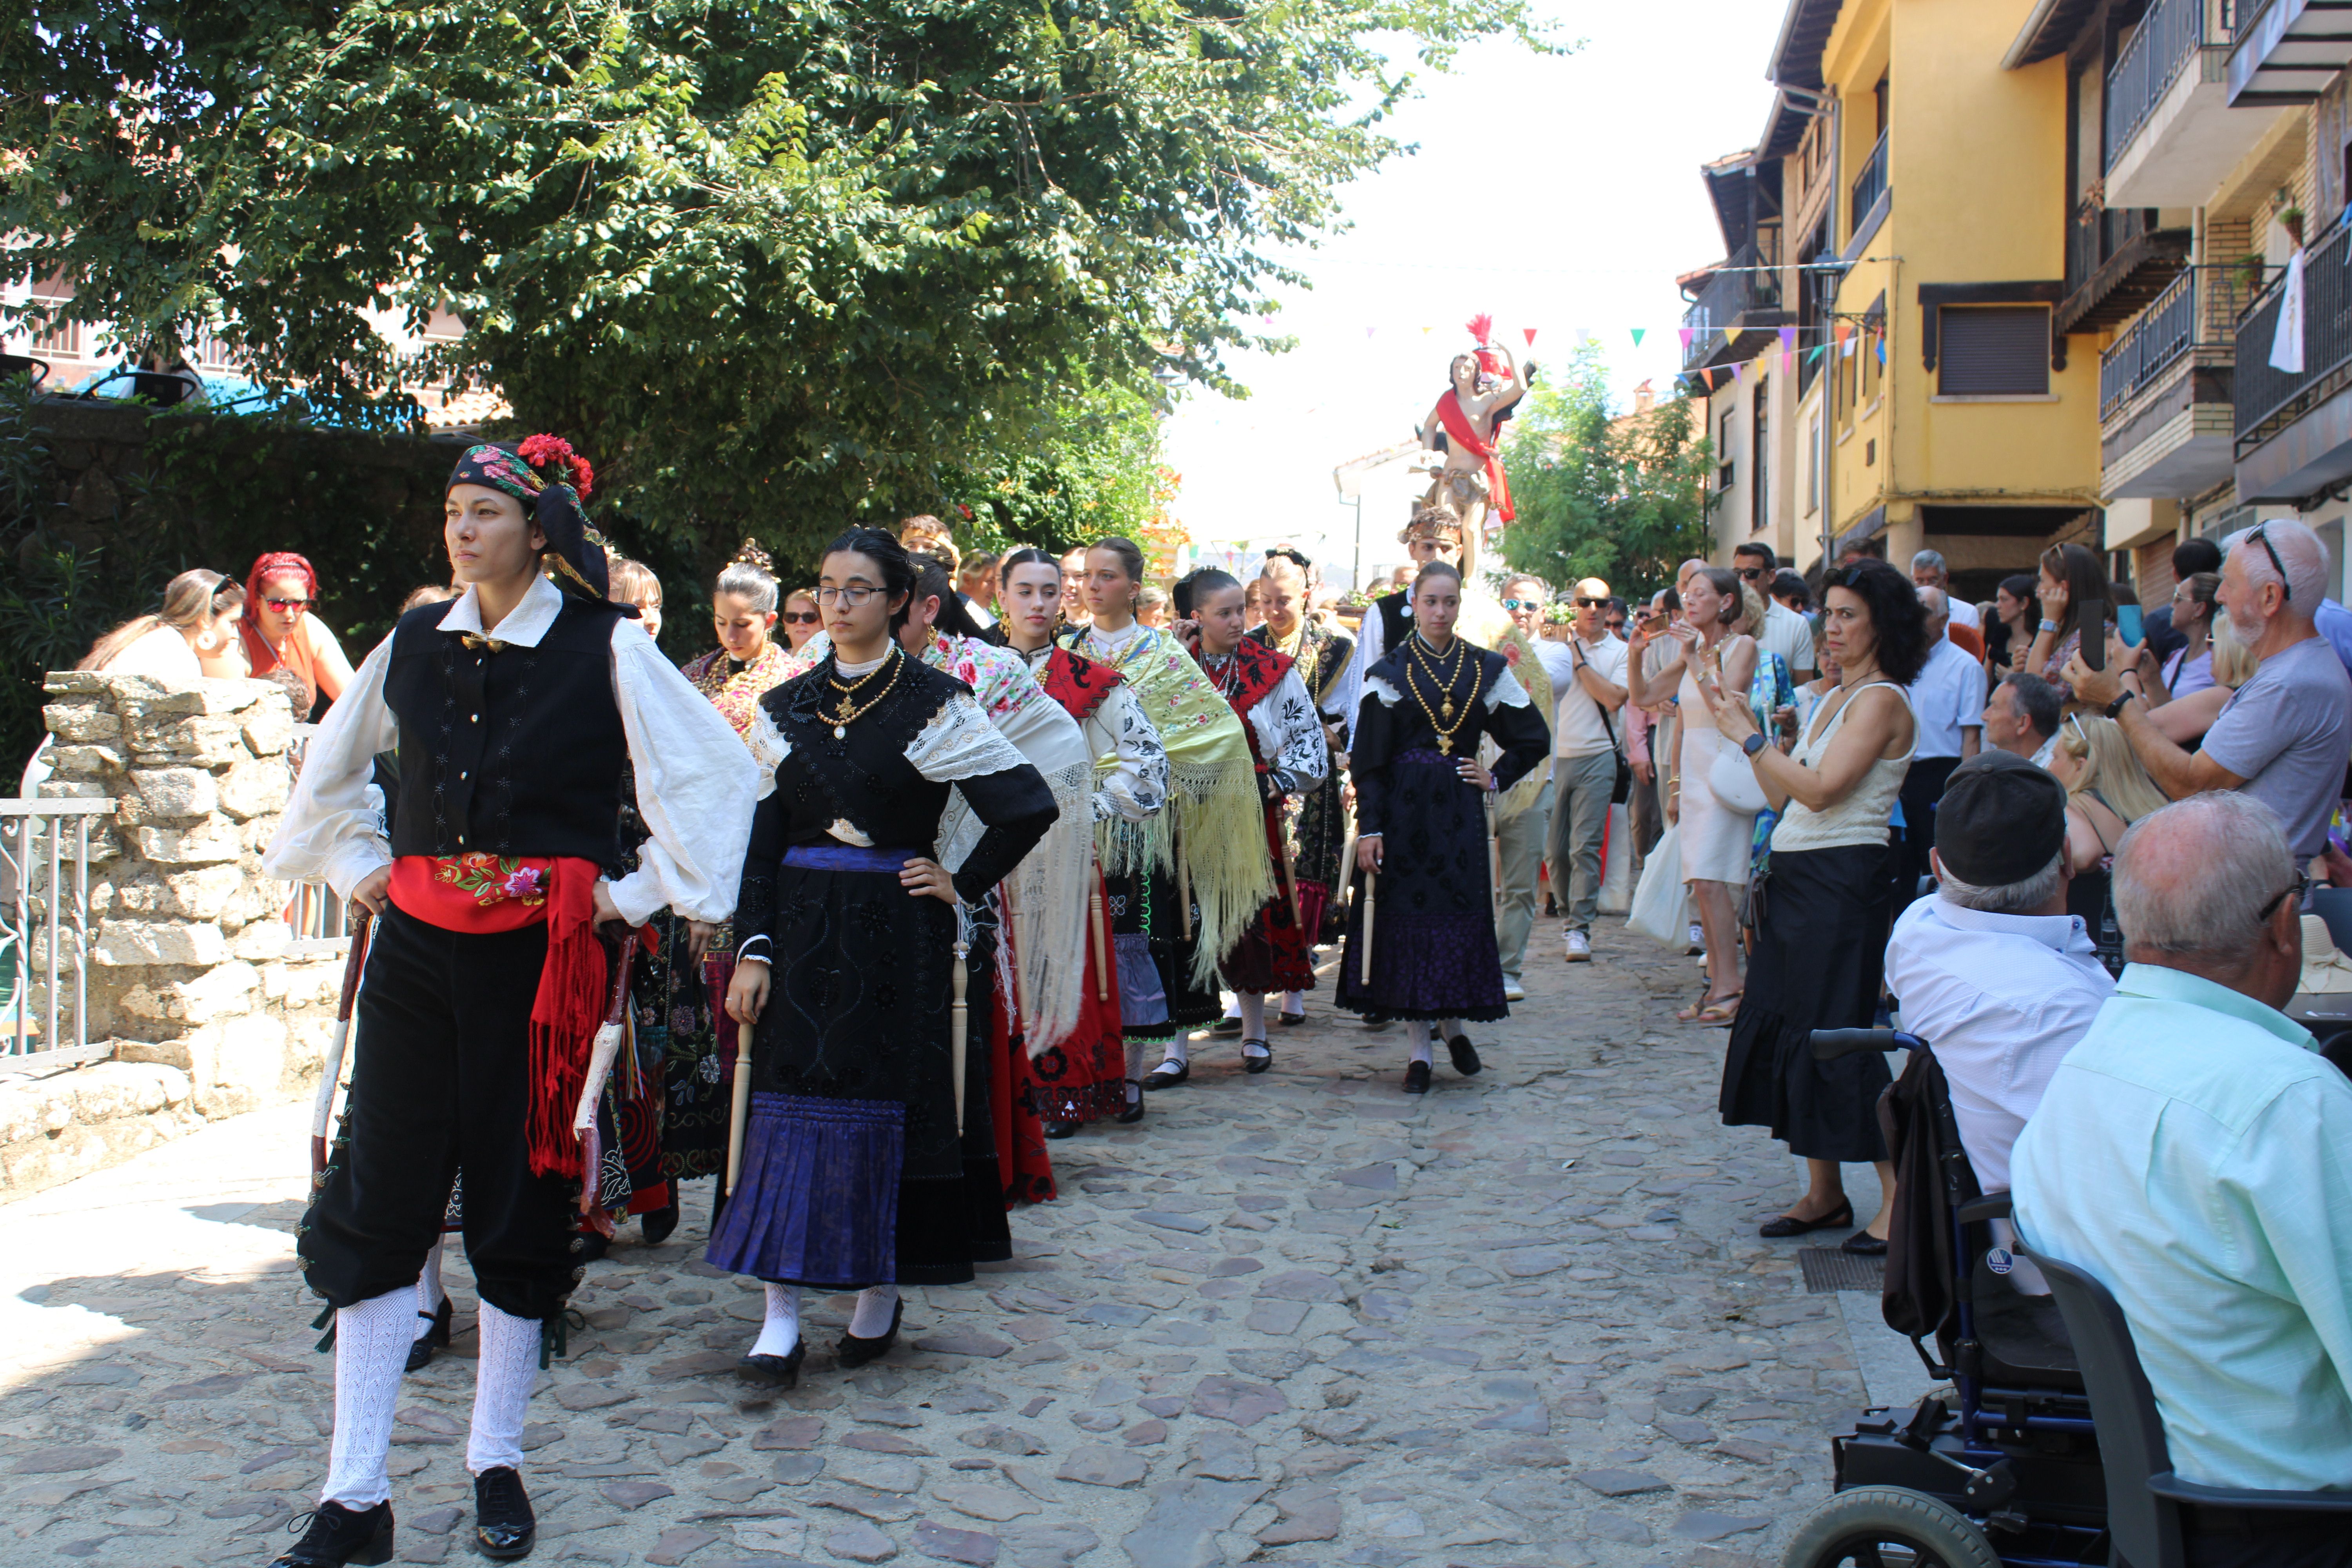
(2188, 1152)
(2284, 736)
(1588, 685)
(1784, 631)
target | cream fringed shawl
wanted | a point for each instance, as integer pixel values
(1214, 815)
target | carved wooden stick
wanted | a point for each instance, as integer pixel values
(322, 1113)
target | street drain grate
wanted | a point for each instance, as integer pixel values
(1828, 1269)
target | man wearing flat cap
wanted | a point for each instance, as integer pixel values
(1992, 972)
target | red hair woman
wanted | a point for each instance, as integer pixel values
(281, 632)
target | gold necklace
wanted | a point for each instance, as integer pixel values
(848, 710)
(1442, 679)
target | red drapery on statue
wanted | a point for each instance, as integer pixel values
(1450, 413)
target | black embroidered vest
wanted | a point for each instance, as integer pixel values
(1396, 619)
(518, 751)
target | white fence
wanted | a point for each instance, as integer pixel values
(45, 932)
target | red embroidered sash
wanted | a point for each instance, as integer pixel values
(1079, 684)
(1450, 413)
(480, 893)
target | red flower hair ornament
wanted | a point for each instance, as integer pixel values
(554, 454)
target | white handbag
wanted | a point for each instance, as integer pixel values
(1732, 778)
(1658, 910)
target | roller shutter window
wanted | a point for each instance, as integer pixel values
(1993, 351)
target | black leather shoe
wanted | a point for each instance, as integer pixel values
(1861, 1244)
(337, 1535)
(1257, 1063)
(1134, 1111)
(1167, 1075)
(659, 1222)
(1790, 1224)
(1231, 1024)
(420, 1349)
(503, 1525)
(1291, 1020)
(1416, 1077)
(853, 1352)
(781, 1371)
(1061, 1129)
(1464, 1055)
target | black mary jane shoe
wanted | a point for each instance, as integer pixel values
(1167, 1075)
(658, 1224)
(1061, 1129)
(1861, 1244)
(336, 1535)
(1259, 1062)
(781, 1371)
(504, 1527)
(1464, 1055)
(420, 1348)
(1134, 1111)
(1231, 1024)
(853, 1353)
(1291, 1020)
(1790, 1224)
(1416, 1077)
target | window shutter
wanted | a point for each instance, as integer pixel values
(1994, 351)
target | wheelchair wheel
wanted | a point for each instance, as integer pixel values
(1887, 1527)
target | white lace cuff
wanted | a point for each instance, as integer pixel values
(961, 744)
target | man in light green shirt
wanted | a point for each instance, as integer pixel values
(2194, 1153)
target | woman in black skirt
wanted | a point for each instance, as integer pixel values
(856, 1174)
(1421, 856)
(1826, 901)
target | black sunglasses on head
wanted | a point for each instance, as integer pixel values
(2286, 593)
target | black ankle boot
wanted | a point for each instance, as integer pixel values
(658, 1222)
(338, 1535)
(503, 1524)
(420, 1350)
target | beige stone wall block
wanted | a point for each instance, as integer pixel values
(78, 1151)
(261, 940)
(238, 1064)
(206, 740)
(205, 696)
(253, 788)
(227, 992)
(270, 725)
(121, 943)
(135, 892)
(205, 844)
(176, 793)
(75, 683)
(173, 1052)
(90, 759)
(205, 892)
(74, 789)
(83, 724)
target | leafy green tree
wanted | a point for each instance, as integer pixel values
(775, 266)
(1602, 493)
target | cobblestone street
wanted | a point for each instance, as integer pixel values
(1299, 1317)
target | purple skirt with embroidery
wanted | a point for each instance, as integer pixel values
(818, 1200)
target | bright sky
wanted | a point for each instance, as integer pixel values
(1557, 194)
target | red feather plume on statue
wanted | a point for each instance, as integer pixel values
(1490, 358)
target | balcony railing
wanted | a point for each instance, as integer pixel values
(2168, 42)
(1742, 286)
(2199, 311)
(1868, 185)
(2268, 398)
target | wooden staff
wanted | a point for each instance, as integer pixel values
(1183, 882)
(1494, 852)
(1102, 942)
(601, 1051)
(958, 1024)
(1364, 965)
(1011, 935)
(322, 1113)
(739, 1112)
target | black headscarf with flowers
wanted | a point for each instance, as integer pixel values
(552, 481)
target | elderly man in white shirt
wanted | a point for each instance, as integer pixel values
(1928, 570)
(1947, 698)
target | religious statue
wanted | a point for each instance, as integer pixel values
(1465, 428)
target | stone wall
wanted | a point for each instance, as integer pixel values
(189, 975)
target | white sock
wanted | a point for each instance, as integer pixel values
(1136, 1052)
(371, 1343)
(1254, 1026)
(429, 1293)
(781, 1329)
(1180, 1051)
(1294, 1003)
(1416, 1034)
(876, 1305)
(502, 1380)
(1448, 1028)
(1233, 1008)
(1134, 1091)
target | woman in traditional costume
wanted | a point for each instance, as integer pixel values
(861, 1168)
(748, 663)
(1419, 786)
(1289, 752)
(1094, 1073)
(516, 713)
(1210, 843)
(1316, 818)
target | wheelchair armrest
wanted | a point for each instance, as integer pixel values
(1831, 1044)
(1991, 1206)
(2164, 1484)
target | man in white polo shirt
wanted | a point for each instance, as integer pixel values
(1588, 686)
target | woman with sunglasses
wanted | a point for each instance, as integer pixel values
(800, 618)
(283, 640)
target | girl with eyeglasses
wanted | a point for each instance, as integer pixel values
(281, 635)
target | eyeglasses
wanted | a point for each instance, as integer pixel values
(289, 606)
(1584, 603)
(851, 597)
(2296, 889)
(801, 617)
(2286, 594)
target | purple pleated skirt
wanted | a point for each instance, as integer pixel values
(818, 1203)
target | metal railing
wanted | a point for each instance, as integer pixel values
(2269, 399)
(45, 929)
(1868, 185)
(1745, 283)
(2199, 309)
(2171, 37)
(2100, 234)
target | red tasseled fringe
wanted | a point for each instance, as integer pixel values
(564, 1017)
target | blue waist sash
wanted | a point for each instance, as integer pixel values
(849, 858)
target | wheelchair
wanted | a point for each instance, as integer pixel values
(2008, 1471)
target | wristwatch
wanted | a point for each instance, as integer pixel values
(2049, 626)
(2115, 709)
(1753, 744)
